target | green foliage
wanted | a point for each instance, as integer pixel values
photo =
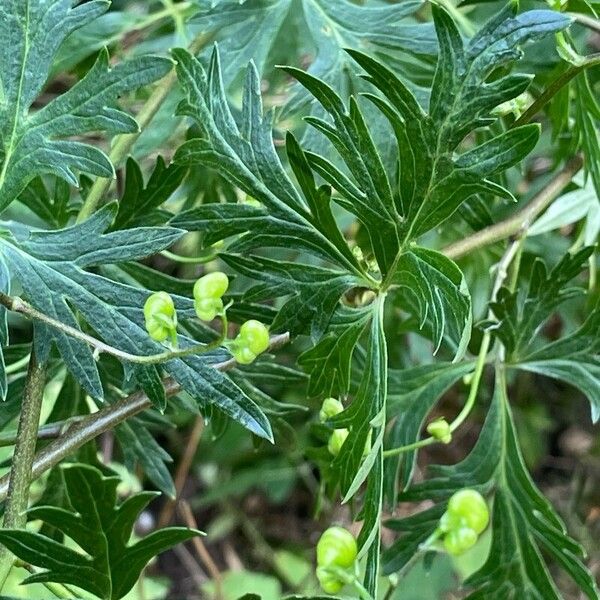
(251, 30)
(50, 265)
(240, 227)
(523, 523)
(34, 30)
(101, 528)
(520, 319)
(574, 359)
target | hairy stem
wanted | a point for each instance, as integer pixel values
(20, 476)
(521, 220)
(123, 143)
(89, 427)
(22, 307)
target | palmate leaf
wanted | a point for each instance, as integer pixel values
(574, 359)
(248, 31)
(433, 180)
(524, 524)
(245, 155)
(519, 319)
(101, 528)
(50, 267)
(32, 31)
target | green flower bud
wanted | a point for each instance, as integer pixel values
(160, 316)
(336, 547)
(213, 285)
(329, 583)
(459, 540)
(470, 507)
(208, 308)
(336, 441)
(243, 355)
(330, 408)
(440, 430)
(254, 335)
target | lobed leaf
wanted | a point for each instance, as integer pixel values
(50, 266)
(102, 528)
(31, 142)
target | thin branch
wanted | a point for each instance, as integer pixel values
(562, 80)
(166, 514)
(107, 418)
(201, 550)
(20, 306)
(521, 220)
(20, 476)
(123, 143)
(46, 432)
(586, 21)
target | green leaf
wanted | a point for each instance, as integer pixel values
(49, 203)
(587, 111)
(246, 157)
(50, 266)
(139, 204)
(101, 528)
(31, 144)
(524, 524)
(249, 31)
(434, 289)
(369, 193)
(433, 179)
(366, 417)
(140, 447)
(315, 291)
(570, 208)
(574, 359)
(329, 362)
(519, 319)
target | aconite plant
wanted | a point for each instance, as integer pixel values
(393, 265)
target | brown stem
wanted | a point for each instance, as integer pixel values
(521, 220)
(107, 418)
(166, 514)
(203, 553)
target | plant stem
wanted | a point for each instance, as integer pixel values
(89, 427)
(554, 87)
(123, 143)
(46, 432)
(210, 255)
(586, 21)
(20, 306)
(513, 251)
(521, 220)
(20, 475)
(183, 469)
